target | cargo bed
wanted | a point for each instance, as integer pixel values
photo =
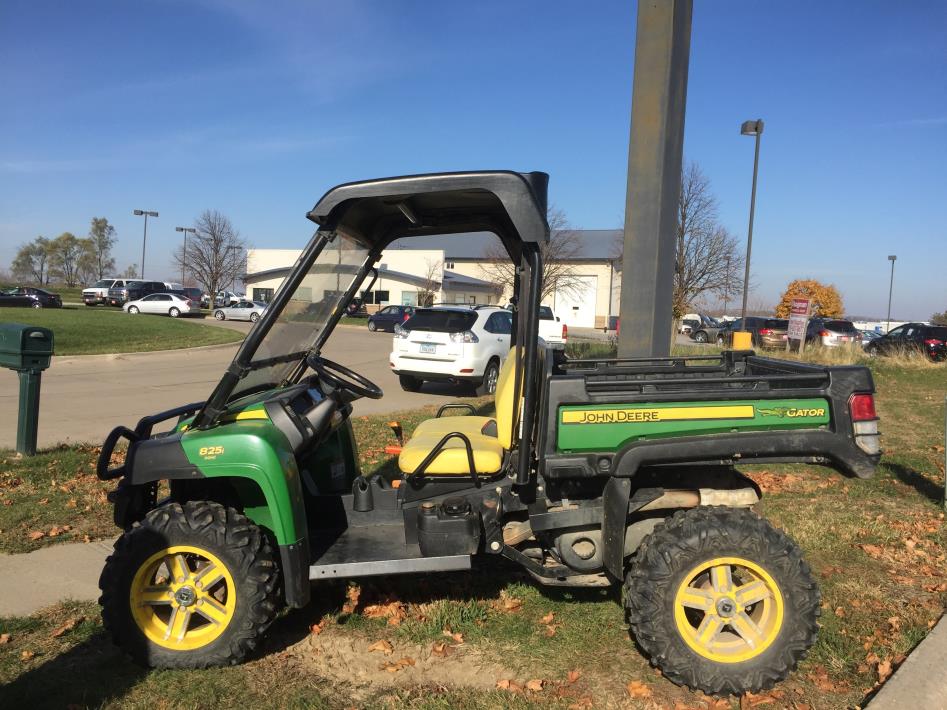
(613, 416)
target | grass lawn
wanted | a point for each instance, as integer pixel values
(492, 638)
(88, 331)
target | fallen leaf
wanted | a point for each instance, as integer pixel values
(72, 503)
(351, 599)
(535, 685)
(573, 676)
(27, 655)
(637, 689)
(458, 637)
(582, 703)
(318, 628)
(884, 670)
(398, 665)
(839, 611)
(441, 649)
(508, 603)
(548, 618)
(872, 550)
(551, 630)
(4, 638)
(895, 623)
(37, 535)
(67, 627)
(382, 646)
(43, 501)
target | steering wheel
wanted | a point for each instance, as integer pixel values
(342, 378)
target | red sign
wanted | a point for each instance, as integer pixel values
(800, 307)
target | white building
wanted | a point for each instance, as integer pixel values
(456, 269)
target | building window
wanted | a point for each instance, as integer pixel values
(263, 294)
(375, 297)
(473, 300)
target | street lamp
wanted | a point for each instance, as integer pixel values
(750, 128)
(892, 258)
(144, 239)
(233, 282)
(184, 257)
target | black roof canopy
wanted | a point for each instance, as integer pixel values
(512, 205)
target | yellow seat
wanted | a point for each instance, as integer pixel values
(488, 448)
(445, 425)
(452, 460)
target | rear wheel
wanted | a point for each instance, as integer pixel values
(192, 586)
(722, 601)
(371, 326)
(700, 337)
(133, 310)
(174, 312)
(36, 304)
(219, 315)
(491, 374)
(410, 384)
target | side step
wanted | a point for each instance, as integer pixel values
(371, 551)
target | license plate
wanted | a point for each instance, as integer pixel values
(843, 338)
(428, 347)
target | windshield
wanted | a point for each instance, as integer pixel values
(305, 314)
(441, 321)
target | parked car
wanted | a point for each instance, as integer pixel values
(98, 293)
(764, 332)
(242, 310)
(30, 297)
(706, 329)
(551, 329)
(388, 317)
(912, 338)
(454, 344)
(831, 332)
(170, 304)
(133, 290)
(228, 298)
(867, 336)
(190, 292)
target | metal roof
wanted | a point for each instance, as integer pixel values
(598, 244)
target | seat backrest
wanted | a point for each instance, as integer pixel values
(507, 409)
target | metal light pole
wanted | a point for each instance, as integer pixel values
(144, 239)
(233, 282)
(750, 128)
(184, 256)
(726, 288)
(892, 258)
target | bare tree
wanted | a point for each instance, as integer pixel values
(708, 260)
(431, 286)
(558, 254)
(214, 255)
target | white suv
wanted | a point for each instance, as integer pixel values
(456, 344)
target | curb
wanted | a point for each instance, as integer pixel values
(919, 682)
(117, 356)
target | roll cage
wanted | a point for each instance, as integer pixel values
(374, 213)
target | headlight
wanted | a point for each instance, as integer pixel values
(464, 337)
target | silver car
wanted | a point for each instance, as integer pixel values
(242, 310)
(170, 304)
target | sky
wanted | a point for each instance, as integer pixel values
(257, 108)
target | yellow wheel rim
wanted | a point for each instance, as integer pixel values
(728, 609)
(182, 598)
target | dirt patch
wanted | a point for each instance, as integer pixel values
(367, 665)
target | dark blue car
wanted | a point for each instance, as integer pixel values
(388, 317)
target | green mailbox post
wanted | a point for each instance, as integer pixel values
(27, 349)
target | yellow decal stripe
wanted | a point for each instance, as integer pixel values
(656, 414)
(253, 414)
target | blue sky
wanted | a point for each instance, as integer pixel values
(257, 108)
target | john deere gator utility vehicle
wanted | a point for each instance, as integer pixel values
(591, 472)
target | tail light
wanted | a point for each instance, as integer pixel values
(865, 423)
(933, 342)
(766, 331)
(406, 316)
(464, 337)
(824, 334)
(565, 332)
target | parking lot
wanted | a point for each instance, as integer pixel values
(83, 398)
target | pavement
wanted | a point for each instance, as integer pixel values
(920, 682)
(84, 397)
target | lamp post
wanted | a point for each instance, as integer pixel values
(750, 128)
(892, 258)
(233, 281)
(184, 255)
(144, 239)
(726, 288)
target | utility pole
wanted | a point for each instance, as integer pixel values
(184, 254)
(655, 151)
(892, 258)
(726, 288)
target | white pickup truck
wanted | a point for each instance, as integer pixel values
(551, 329)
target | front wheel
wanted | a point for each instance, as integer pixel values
(36, 304)
(700, 337)
(371, 326)
(254, 317)
(174, 312)
(193, 586)
(133, 310)
(722, 601)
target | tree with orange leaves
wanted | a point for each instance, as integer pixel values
(826, 300)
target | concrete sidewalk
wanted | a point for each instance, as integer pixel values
(920, 682)
(37, 579)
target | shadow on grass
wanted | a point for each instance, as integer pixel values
(482, 584)
(923, 485)
(91, 674)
